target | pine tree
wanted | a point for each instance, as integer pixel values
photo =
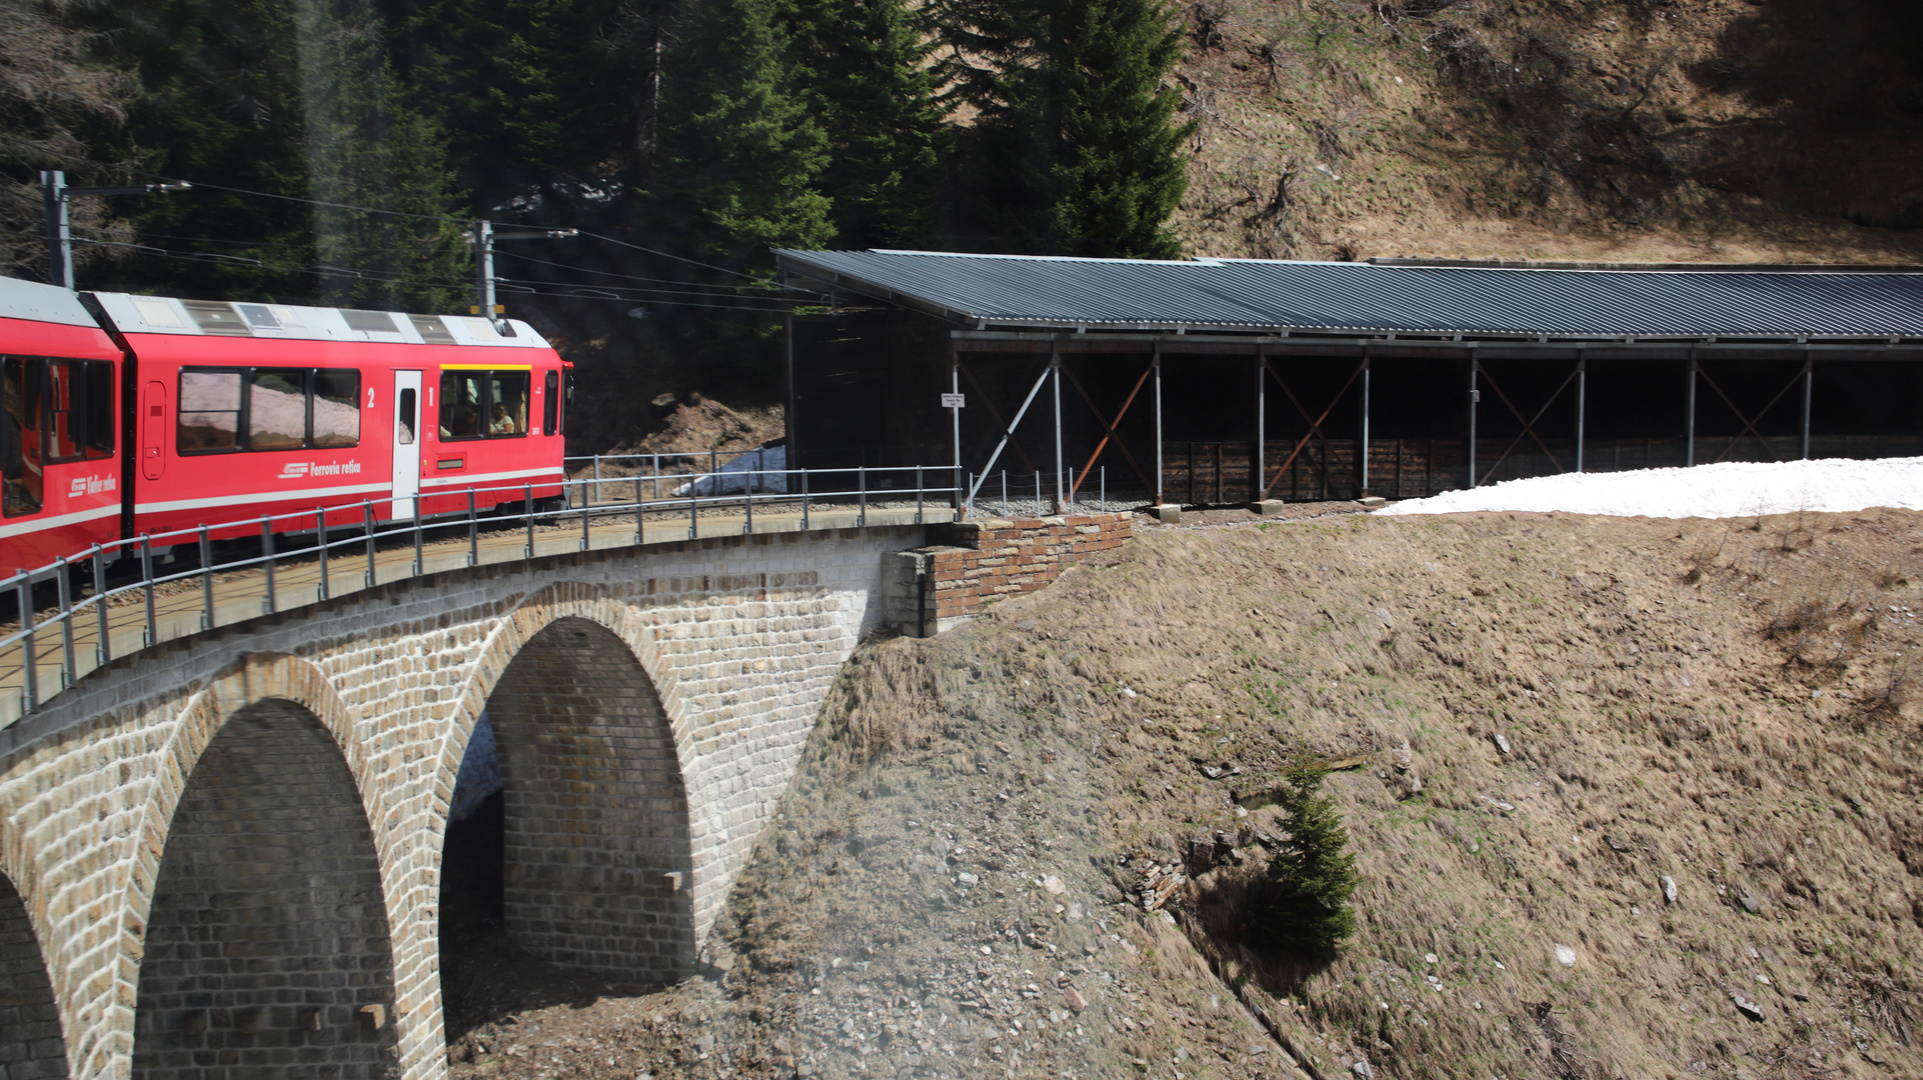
(1311, 879)
(1076, 151)
(741, 153)
(866, 63)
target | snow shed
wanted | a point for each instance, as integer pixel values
(1223, 381)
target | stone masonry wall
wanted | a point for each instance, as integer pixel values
(737, 639)
(972, 563)
(596, 841)
(266, 949)
(30, 1046)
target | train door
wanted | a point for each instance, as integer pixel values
(407, 441)
(153, 430)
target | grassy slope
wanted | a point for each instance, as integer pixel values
(1555, 129)
(1658, 685)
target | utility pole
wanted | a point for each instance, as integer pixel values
(484, 237)
(54, 195)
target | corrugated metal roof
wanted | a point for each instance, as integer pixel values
(1257, 294)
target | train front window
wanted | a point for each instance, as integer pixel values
(484, 404)
(337, 408)
(461, 404)
(507, 406)
(209, 411)
(21, 475)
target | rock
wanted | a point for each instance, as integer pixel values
(1565, 956)
(1615, 844)
(1127, 693)
(1749, 902)
(1747, 1007)
(1669, 888)
(1411, 785)
(1075, 999)
(1362, 1069)
(1054, 885)
(1405, 758)
(1211, 772)
(1382, 616)
(1800, 993)
(1502, 744)
(967, 880)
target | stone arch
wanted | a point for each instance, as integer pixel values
(266, 944)
(31, 1047)
(597, 842)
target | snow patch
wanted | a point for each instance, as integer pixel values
(1728, 489)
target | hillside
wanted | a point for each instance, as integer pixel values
(956, 885)
(1628, 130)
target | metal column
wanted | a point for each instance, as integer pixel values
(1257, 472)
(954, 387)
(1157, 364)
(1808, 372)
(59, 239)
(1055, 386)
(1689, 422)
(1475, 395)
(1362, 455)
(1582, 403)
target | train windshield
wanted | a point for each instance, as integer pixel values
(477, 404)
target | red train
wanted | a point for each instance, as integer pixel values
(126, 415)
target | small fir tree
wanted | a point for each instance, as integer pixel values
(1307, 907)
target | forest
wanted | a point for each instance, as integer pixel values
(338, 149)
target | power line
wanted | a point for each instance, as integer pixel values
(628, 277)
(691, 262)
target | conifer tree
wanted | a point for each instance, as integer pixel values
(1311, 879)
(1076, 151)
(865, 63)
(741, 153)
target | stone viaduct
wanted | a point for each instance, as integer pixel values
(222, 857)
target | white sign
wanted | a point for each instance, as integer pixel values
(954, 401)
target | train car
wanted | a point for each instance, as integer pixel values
(60, 377)
(244, 409)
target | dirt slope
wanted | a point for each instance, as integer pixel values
(1652, 130)
(956, 888)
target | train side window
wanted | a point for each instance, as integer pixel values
(99, 427)
(337, 412)
(22, 481)
(507, 404)
(276, 409)
(407, 422)
(551, 403)
(65, 414)
(461, 404)
(209, 411)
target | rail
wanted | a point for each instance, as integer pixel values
(313, 555)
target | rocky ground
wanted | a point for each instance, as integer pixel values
(1630, 798)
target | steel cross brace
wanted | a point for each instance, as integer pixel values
(1008, 429)
(1749, 426)
(1529, 425)
(1108, 429)
(1315, 424)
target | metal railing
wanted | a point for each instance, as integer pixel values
(311, 555)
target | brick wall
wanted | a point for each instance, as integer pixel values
(596, 812)
(30, 1046)
(267, 936)
(970, 564)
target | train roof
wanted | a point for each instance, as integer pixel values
(221, 318)
(42, 303)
